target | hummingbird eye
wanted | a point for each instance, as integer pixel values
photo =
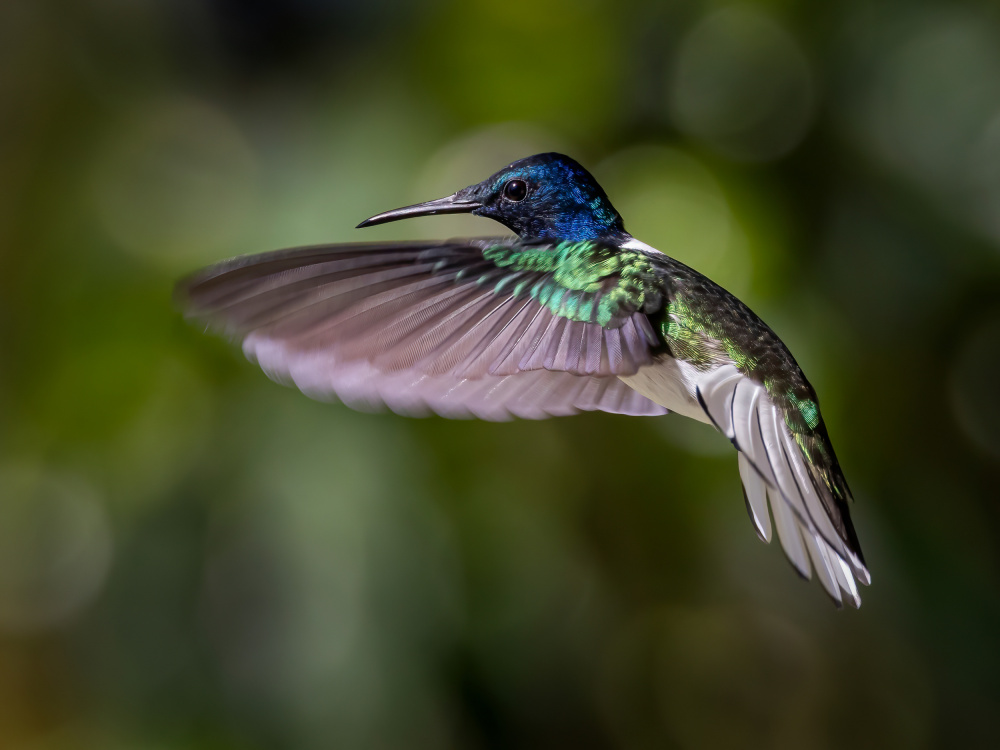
(515, 190)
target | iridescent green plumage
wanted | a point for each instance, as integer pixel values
(586, 281)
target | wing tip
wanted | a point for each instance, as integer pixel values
(757, 526)
(860, 568)
(839, 565)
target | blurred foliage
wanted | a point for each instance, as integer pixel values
(194, 557)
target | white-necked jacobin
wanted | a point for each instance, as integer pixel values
(573, 314)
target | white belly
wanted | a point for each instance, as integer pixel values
(670, 384)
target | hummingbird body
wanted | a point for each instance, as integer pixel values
(572, 315)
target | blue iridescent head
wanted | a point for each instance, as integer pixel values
(546, 196)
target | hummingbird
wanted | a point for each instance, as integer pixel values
(571, 314)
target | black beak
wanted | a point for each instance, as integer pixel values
(451, 204)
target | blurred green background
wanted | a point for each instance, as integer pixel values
(194, 557)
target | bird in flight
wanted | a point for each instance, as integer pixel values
(572, 314)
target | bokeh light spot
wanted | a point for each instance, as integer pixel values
(742, 83)
(55, 547)
(671, 201)
(177, 185)
(930, 111)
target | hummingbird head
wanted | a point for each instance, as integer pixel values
(546, 196)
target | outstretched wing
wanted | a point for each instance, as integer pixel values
(786, 462)
(485, 328)
(752, 390)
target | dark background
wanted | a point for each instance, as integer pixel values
(194, 557)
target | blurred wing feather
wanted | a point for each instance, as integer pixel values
(460, 329)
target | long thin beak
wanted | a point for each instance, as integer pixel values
(451, 204)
